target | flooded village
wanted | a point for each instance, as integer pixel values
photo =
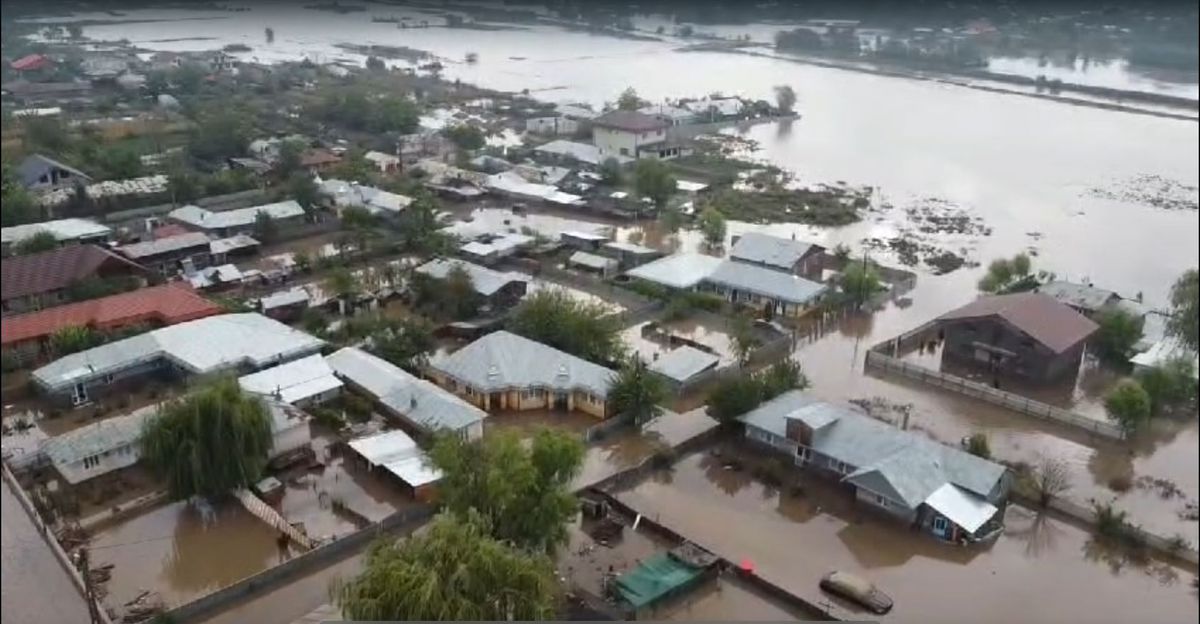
(674, 313)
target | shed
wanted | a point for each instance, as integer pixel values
(684, 365)
(398, 454)
(593, 263)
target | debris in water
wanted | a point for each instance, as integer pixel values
(1150, 190)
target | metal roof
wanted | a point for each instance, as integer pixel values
(584, 236)
(684, 363)
(107, 435)
(62, 229)
(503, 360)
(1079, 296)
(202, 346)
(773, 251)
(902, 464)
(209, 220)
(629, 121)
(487, 282)
(501, 244)
(630, 248)
(766, 282)
(233, 243)
(398, 454)
(583, 152)
(683, 270)
(1042, 317)
(279, 299)
(592, 261)
(294, 381)
(962, 508)
(420, 401)
(374, 200)
(163, 245)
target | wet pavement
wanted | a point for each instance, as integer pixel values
(793, 540)
(36, 588)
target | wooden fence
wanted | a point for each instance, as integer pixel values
(991, 395)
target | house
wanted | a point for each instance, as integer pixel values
(509, 372)
(103, 67)
(673, 115)
(513, 184)
(32, 63)
(43, 280)
(1083, 298)
(577, 112)
(553, 125)
(64, 230)
(629, 254)
(775, 293)
(88, 458)
(215, 277)
(583, 241)
(226, 342)
(376, 201)
(237, 245)
(781, 254)
(563, 151)
(29, 93)
(684, 366)
(41, 173)
(492, 248)
(1028, 335)
(683, 271)
(253, 165)
(304, 382)
(942, 490)
(171, 255)
(399, 455)
(285, 305)
(418, 404)
(285, 214)
(632, 134)
(27, 336)
(499, 289)
(592, 263)
(318, 159)
(385, 163)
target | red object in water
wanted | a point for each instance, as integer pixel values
(33, 62)
(747, 565)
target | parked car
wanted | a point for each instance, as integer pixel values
(858, 590)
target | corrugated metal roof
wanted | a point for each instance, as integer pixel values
(293, 381)
(200, 347)
(766, 282)
(487, 282)
(600, 263)
(503, 360)
(165, 245)
(683, 270)
(684, 363)
(101, 437)
(962, 508)
(422, 402)
(209, 220)
(1080, 296)
(397, 453)
(1042, 317)
(630, 248)
(773, 251)
(233, 243)
(62, 229)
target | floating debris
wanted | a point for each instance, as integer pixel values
(1151, 190)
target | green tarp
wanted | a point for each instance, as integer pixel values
(654, 578)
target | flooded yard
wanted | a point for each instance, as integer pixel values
(527, 423)
(709, 331)
(1041, 569)
(627, 447)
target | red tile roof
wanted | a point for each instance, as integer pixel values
(170, 229)
(166, 305)
(52, 270)
(31, 62)
(1042, 317)
(317, 157)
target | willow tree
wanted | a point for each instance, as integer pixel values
(453, 571)
(636, 392)
(212, 441)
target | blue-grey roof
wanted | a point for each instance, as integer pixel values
(503, 360)
(420, 401)
(62, 229)
(765, 282)
(487, 282)
(35, 165)
(1079, 296)
(782, 253)
(583, 258)
(899, 463)
(683, 270)
(684, 363)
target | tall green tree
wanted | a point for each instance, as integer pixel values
(636, 393)
(265, 228)
(405, 343)
(860, 281)
(1005, 275)
(734, 396)
(342, 284)
(17, 206)
(629, 100)
(1128, 405)
(610, 171)
(652, 178)
(712, 226)
(1170, 384)
(1119, 332)
(210, 442)
(73, 339)
(453, 571)
(580, 328)
(39, 242)
(465, 136)
(219, 134)
(785, 98)
(302, 188)
(522, 492)
(744, 340)
(291, 155)
(1185, 320)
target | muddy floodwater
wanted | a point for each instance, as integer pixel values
(1039, 570)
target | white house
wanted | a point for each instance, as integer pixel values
(632, 134)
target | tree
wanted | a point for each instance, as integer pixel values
(394, 114)
(652, 178)
(1185, 320)
(1006, 275)
(733, 396)
(75, 30)
(211, 441)
(291, 154)
(462, 300)
(73, 339)
(860, 281)
(583, 329)
(1049, 480)
(39, 242)
(183, 185)
(1128, 405)
(120, 163)
(1170, 384)
(302, 188)
(405, 343)
(46, 133)
(265, 228)
(17, 206)
(218, 135)
(343, 285)
(978, 446)
(785, 99)
(522, 491)
(452, 571)
(712, 226)
(629, 100)
(375, 64)
(744, 339)
(270, 34)
(635, 393)
(354, 167)
(465, 136)
(1119, 332)
(610, 171)
(781, 377)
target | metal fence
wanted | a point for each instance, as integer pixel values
(991, 395)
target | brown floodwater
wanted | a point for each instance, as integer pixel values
(714, 335)
(727, 599)
(627, 447)
(1040, 569)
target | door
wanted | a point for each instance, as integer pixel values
(941, 526)
(560, 401)
(79, 394)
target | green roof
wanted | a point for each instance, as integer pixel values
(655, 578)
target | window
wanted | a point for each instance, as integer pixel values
(803, 454)
(881, 501)
(108, 378)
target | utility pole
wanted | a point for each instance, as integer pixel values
(89, 589)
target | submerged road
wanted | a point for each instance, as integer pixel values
(36, 588)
